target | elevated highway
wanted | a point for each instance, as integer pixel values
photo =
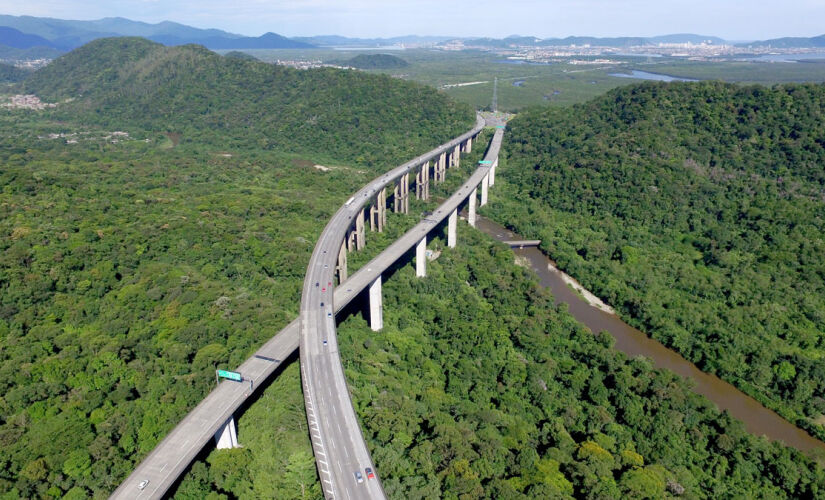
(329, 407)
(340, 449)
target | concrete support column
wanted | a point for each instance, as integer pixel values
(452, 222)
(444, 160)
(406, 193)
(342, 263)
(426, 182)
(376, 306)
(378, 212)
(485, 183)
(401, 193)
(457, 155)
(493, 172)
(421, 258)
(383, 209)
(227, 436)
(360, 231)
(471, 215)
(469, 147)
(352, 236)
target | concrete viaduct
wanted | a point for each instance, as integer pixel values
(337, 440)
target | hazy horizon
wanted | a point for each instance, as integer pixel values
(726, 19)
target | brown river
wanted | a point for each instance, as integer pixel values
(758, 419)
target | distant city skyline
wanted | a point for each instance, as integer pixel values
(729, 19)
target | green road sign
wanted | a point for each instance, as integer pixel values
(499, 126)
(484, 162)
(230, 375)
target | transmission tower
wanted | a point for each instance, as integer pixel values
(495, 95)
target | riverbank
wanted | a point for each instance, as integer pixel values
(758, 419)
(585, 293)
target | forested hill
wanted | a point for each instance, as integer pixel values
(132, 82)
(10, 73)
(376, 61)
(698, 211)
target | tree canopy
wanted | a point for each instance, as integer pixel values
(697, 210)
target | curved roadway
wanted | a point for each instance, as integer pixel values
(172, 456)
(340, 450)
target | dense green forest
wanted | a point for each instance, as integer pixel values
(12, 74)
(697, 210)
(132, 263)
(199, 96)
(479, 387)
(376, 61)
(240, 55)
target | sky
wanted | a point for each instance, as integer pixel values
(729, 19)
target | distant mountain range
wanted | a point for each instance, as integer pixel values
(789, 42)
(25, 32)
(47, 37)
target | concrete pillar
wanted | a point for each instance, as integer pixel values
(342, 263)
(383, 208)
(352, 236)
(405, 193)
(421, 258)
(422, 180)
(227, 436)
(444, 159)
(378, 212)
(427, 181)
(493, 172)
(457, 155)
(471, 216)
(360, 231)
(469, 147)
(376, 306)
(452, 222)
(485, 182)
(401, 192)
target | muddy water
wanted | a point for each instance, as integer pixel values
(757, 419)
